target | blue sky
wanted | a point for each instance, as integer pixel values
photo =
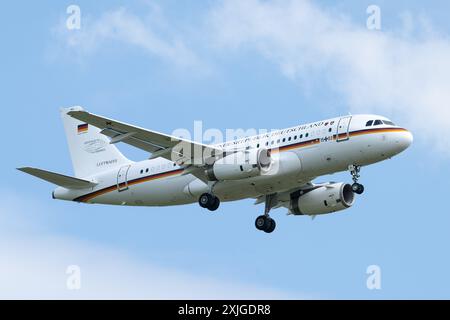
(232, 64)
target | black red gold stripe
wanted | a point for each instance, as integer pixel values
(297, 145)
(98, 193)
(368, 131)
(376, 130)
(303, 144)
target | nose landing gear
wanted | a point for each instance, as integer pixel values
(354, 171)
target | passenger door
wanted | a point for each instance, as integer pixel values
(122, 178)
(343, 129)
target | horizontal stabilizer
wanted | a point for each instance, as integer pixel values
(58, 179)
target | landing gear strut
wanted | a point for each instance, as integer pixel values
(356, 187)
(265, 222)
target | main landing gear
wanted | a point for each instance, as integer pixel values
(209, 201)
(356, 187)
(265, 222)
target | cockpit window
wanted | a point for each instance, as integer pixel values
(369, 123)
(378, 122)
(389, 123)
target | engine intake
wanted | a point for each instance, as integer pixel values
(322, 200)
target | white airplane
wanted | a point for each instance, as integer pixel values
(276, 168)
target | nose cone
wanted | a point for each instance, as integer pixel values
(404, 140)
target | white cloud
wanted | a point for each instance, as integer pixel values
(35, 268)
(34, 262)
(405, 75)
(152, 34)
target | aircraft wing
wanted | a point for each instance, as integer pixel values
(58, 179)
(183, 152)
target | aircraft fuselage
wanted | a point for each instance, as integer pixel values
(304, 152)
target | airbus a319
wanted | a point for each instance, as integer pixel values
(276, 169)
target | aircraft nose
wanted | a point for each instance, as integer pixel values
(404, 140)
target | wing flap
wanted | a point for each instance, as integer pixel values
(58, 179)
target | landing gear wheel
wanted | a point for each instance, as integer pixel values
(265, 223)
(209, 202)
(358, 188)
(205, 200)
(261, 223)
(354, 171)
(271, 227)
(215, 205)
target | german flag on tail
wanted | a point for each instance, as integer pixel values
(82, 128)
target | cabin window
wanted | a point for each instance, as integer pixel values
(295, 137)
(369, 123)
(257, 145)
(278, 141)
(142, 171)
(284, 139)
(146, 170)
(301, 136)
(267, 143)
(272, 142)
(329, 130)
(290, 138)
(306, 135)
(378, 122)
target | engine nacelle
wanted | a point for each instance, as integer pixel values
(240, 165)
(322, 199)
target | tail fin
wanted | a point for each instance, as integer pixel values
(90, 150)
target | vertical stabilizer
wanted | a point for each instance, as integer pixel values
(90, 150)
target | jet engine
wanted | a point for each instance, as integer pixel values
(240, 165)
(322, 199)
